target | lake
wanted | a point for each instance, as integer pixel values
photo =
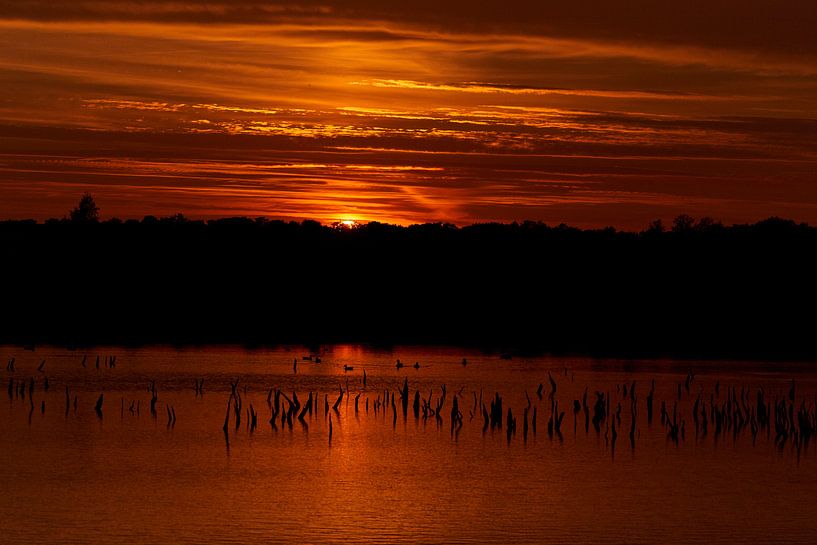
(71, 475)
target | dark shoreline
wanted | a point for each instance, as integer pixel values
(701, 290)
(501, 351)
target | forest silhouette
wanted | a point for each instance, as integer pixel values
(695, 289)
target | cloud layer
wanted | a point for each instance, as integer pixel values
(438, 113)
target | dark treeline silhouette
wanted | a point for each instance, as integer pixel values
(697, 289)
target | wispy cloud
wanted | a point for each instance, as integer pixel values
(491, 88)
(333, 109)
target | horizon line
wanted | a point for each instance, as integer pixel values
(690, 222)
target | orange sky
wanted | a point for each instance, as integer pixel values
(453, 111)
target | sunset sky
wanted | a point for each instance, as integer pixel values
(585, 112)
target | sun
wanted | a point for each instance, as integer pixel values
(346, 224)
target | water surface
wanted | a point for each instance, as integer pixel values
(126, 478)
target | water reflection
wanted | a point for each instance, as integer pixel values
(265, 445)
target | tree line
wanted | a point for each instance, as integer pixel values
(696, 288)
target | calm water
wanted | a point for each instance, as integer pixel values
(128, 478)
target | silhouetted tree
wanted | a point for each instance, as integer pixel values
(682, 223)
(729, 291)
(86, 211)
(655, 227)
(177, 219)
(706, 224)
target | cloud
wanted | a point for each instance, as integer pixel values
(785, 26)
(409, 113)
(489, 88)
